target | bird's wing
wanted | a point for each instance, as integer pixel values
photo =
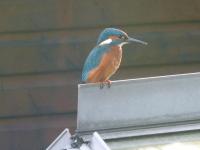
(93, 60)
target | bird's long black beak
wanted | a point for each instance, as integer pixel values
(130, 39)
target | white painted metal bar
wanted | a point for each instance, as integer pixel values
(154, 102)
(62, 142)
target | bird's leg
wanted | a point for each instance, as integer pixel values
(108, 82)
(102, 84)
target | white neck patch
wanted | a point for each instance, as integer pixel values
(107, 41)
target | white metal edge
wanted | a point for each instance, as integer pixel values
(57, 139)
(97, 143)
(145, 78)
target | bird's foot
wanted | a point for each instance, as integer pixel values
(107, 82)
(102, 84)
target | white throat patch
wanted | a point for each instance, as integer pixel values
(107, 41)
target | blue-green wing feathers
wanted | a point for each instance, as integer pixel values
(93, 60)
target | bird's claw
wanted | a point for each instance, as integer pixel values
(107, 82)
(102, 85)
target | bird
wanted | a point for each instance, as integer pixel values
(105, 58)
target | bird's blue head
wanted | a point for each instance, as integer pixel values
(116, 37)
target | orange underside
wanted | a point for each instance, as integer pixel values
(108, 66)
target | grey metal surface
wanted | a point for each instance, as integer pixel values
(137, 103)
(151, 142)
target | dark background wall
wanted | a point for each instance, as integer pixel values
(43, 45)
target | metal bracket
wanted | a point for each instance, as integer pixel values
(77, 141)
(67, 142)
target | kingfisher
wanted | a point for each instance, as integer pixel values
(105, 58)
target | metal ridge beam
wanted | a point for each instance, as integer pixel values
(172, 100)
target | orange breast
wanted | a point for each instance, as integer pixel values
(109, 64)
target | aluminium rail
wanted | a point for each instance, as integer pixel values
(142, 106)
